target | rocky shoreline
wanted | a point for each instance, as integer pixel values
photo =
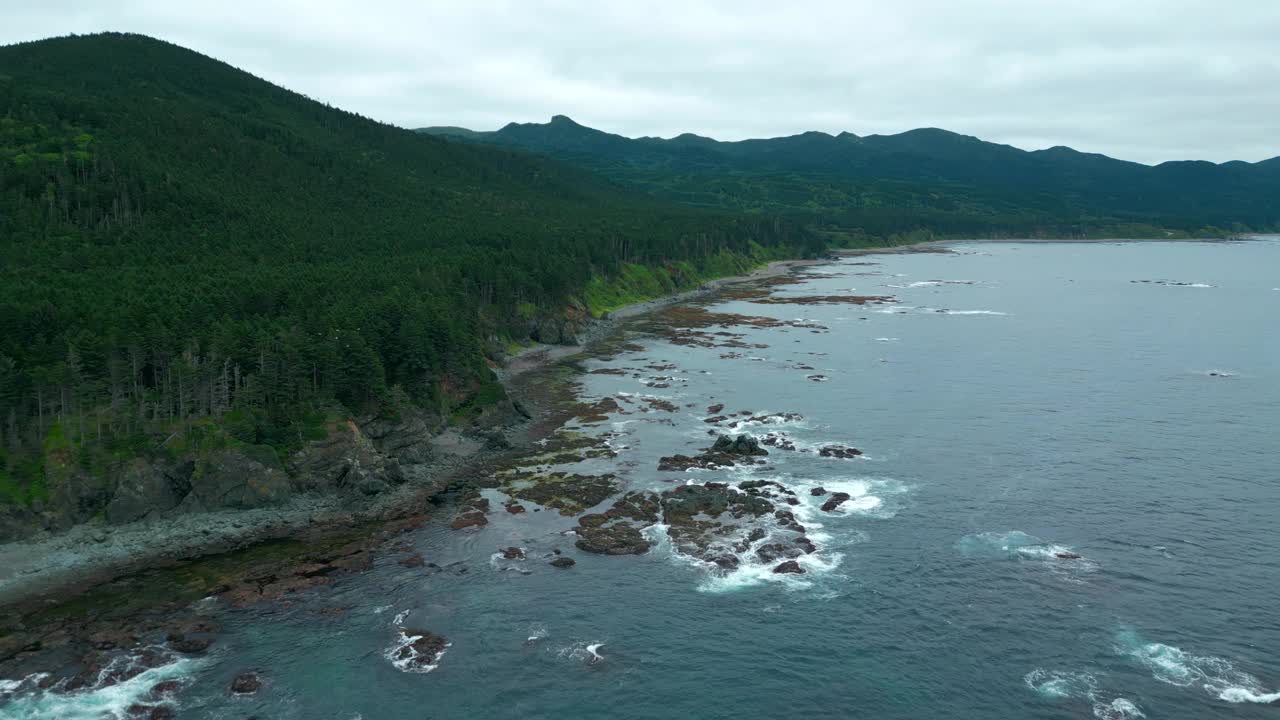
(364, 473)
(84, 599)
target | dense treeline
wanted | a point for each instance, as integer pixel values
(181, 242)
(926, 180)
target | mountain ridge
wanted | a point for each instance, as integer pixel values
(563, 120)
(958, 183)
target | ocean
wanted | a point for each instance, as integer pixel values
(1065, 507)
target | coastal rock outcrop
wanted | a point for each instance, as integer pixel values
(246, 683)
(145, 488)
(726, 451)
(789, 567)
(835, 501)
(251, 477)
(617, 531)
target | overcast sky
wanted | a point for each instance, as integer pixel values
(1145, 80)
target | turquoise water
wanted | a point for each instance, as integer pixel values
(1056, 407)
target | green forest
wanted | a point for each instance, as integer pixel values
(920, 183)
(189, 254)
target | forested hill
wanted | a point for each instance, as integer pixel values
(182, 242)
(926, 178)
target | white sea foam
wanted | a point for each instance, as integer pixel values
(932, 283)
(1063, 560)
(972, 312)
(1216, 676)
(583, 651)
(752, 573)
(1080, 685)
(886, 339)
(1062, 684)
(1117, 709)
(26, 701)
(400, 616)
(536, 632)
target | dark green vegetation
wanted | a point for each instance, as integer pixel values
(193, 258)
(919, 183)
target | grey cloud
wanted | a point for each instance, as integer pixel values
(1143, 80)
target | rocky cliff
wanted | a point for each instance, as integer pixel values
(359, 458)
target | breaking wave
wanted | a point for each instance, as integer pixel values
(405, 656)
(1074, 685)
(107, 698)
(1062, 684)
(1216, 676)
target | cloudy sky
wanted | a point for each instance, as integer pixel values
(1145, 80)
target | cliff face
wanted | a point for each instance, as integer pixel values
(358, 458)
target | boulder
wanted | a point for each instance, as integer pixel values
(142, 711)
(778, 551)
(741, 445)
(790, 567)
(421, 650)
(513, 553)
(562, 562)
(818, 491)
(839, 451)
(835, 501)
(246, 683)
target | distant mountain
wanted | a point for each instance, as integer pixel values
(950, 182)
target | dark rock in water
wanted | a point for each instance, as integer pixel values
(1067, 556)
(725, 452)
(422, 650)
(618, 538)
(791, 500)
(789, 567)
(139, 711)
(817, 492)
(715, 419)
(779, 441)
(569, 493)
(680, 463)
(787, 519)
(741, 445)
(728, 562)
(761, 487)
(471, 518)
(778, 551)
(189, 645)
(615, 531)
(839, 451)
(412, 561)
(471, 513)
(714, 409)
(514, 508)
(246, 683)
(806, 545)
(563, 562)
(165, 688)
(835, 501)
(513, 553)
